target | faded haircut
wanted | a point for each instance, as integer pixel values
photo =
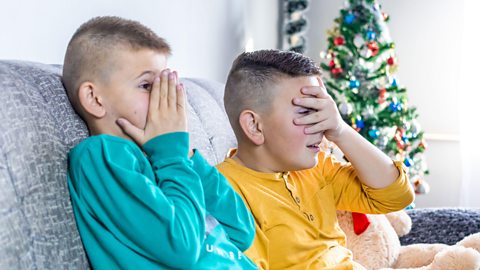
(91, 51)
(252, 75)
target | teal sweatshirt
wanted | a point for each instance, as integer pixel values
(156, 208)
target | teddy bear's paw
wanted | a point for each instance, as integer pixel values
(400, 221)
(458, 258)
(417, 255)
(471, 241)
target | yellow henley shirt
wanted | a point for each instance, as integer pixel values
(295, 212)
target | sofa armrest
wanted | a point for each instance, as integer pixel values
(442, 225)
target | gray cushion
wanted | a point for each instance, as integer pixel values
(38, 128)
(442, 225)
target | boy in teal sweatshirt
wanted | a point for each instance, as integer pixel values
(141, 198)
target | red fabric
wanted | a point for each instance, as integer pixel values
(360, 222)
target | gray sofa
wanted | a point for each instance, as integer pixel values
(37, 129)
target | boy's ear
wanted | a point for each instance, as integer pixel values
(252, 127)
(90, 100)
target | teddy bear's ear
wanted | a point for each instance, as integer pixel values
(400, 221)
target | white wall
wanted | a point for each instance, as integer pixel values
(205, 35)
(427, 35)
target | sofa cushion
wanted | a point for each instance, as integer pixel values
(441, 225)
(37, 129)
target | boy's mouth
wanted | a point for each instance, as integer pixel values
(315, 147)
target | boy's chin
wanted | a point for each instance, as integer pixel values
(306, 165)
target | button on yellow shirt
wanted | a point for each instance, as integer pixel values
(295, 212)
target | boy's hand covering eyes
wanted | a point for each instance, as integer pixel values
(166, 111)
(324, 117)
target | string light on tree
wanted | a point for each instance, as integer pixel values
(360, 64)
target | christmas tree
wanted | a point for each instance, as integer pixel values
(361, 65)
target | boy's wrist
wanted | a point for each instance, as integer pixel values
(342, 133)
(200, 165)
(173, 144)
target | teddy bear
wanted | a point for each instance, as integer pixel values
(374, 242)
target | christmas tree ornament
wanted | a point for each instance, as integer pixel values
(345, 108)
(332, 63)
(362, 81)
(420, 186)
(365, 52)
(391, 61)
(408, 162)
(394, 82)
(359, 122)
(336, 71)
(358, 41)
(395, 106)
(411, 206)
(373, 133)
(373, 46)
(349, 18)
(354, 84)
(371, 35)
(339, 41)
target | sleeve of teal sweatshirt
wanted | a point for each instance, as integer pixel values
(225, 204)
(163, 218)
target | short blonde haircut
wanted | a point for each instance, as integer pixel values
(91, 50)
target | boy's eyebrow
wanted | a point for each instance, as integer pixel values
(144, 73)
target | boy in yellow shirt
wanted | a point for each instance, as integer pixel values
(280, 111)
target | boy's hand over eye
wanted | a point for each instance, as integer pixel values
(324, 117)
(166, 110)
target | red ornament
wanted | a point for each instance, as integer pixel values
(373, 46)
(398, 138)
(381, 95)
(339, 41)
(420, 186)
(331, 64)
(391, 61)
(382, 92)
(336, 71)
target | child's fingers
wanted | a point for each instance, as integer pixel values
(311, 103)
(180, 97)
(320, 82)
(154, 95)
(172, 89)
(135, 133)
(312, 118)
(318, 127)
(316, 91)
(163, 102)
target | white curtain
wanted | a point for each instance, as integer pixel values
(469, 98)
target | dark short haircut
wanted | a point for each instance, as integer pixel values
(252, 74)
(91, 51)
